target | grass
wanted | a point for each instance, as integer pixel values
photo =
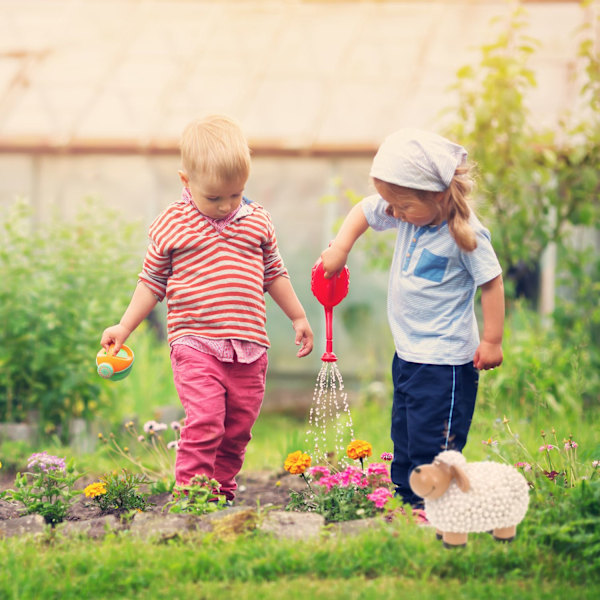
(556, 553)
(396, 558)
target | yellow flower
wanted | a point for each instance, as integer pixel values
(359, 449)
(297, 462)
(0, 464)
(95, 489)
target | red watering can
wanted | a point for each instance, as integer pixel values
(329, 292)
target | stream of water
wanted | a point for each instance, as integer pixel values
(330, 427)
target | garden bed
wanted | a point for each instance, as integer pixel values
(255, 489)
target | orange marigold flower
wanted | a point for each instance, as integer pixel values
(359, 449)
(95, 489)
(297, 462)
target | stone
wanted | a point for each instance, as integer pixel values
(94, 528)
(350, 528)
(164, 527)
(28, 525)
(293, 525)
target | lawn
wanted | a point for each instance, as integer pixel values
(556, 553)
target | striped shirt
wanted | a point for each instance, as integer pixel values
(432, 288)
(214, 279)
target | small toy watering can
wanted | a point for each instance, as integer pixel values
(115, 366)
(329, 292)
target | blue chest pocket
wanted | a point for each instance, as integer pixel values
(431, 266)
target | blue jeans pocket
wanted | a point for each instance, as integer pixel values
(431, 266)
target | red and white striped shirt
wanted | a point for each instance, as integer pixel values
(214, 279)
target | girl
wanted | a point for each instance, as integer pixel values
(442, 255)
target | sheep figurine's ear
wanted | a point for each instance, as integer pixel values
(462, 481)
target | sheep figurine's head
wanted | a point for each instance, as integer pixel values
(431, 481)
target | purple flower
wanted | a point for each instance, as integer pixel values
(45, 462)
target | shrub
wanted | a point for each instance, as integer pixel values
(61, 285)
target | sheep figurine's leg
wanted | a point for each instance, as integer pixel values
(505, 534)
(454, 540)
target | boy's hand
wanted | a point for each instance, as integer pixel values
(487, 356)
(333, 261)
(304, 336)
(115, 335)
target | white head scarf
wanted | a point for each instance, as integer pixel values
(418, 160)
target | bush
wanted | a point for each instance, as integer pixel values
(61, 284)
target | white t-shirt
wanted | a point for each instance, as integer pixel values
(432, 287)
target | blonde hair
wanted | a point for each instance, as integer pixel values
(454, 206)
(215, 146)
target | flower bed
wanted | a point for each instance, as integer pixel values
(345, 492)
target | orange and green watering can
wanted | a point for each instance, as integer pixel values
(115, 366)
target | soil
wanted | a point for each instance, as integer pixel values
(254, 489)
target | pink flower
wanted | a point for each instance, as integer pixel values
(570, 445)
(175, 425)
(489, 442)
(523, 465)
(150, 426)
(387, 456)
(377, 469)
(547, 447)
(377, 474)
(596, 464)
(380, 496)
(352, 476)
(328, 481)
(318, 471)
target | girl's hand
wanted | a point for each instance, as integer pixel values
(115, 335)
(333, 260)
(304, 336)
(487, 356)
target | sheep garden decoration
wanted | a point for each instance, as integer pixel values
(463, 498)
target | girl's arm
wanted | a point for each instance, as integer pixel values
(489, 353)
(283, 293)
(141, 305)
(354, 225)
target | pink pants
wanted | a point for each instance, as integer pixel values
(221, 402)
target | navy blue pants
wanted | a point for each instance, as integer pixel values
(432, 411)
